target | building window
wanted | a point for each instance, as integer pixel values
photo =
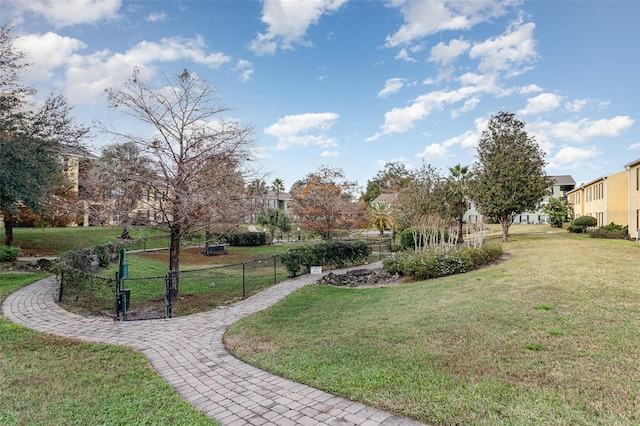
(543, 218)
(473, 218)
(524, 218)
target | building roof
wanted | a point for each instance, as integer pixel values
(631, 164)
(385, 198)
(563, 180)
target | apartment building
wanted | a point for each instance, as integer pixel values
(604, 198)
(633, 198)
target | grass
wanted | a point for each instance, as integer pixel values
(47, 380)
(54, 241)
(549, 336)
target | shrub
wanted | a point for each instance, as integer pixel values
(9, 254)
(335, 253)
(247, 239)
(611, 231)
(439, 263)
(582, 224)
(585, 221)
(576, 229)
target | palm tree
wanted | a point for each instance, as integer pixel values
(277, 186)
(381, 217)
(457, 195)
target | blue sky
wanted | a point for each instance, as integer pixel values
(353, 84)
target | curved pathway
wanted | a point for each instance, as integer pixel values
(189, 354)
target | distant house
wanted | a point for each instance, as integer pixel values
(633, 195)
(605, 198)
(562, 184)
(269, 200)
(386, 198)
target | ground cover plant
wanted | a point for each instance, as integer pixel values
(48, 380)
(545, 337)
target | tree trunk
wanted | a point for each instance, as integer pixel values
(506, 223)
(460, 232)
(174, 260)
(8, 228)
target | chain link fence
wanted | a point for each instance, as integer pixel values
(85, 293)
(187, 292)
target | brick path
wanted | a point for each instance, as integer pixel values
(189, 354)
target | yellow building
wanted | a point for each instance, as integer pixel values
(605, 198)
(633, 195)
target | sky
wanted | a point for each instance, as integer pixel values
(355, 84)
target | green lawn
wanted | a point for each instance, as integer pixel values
(47, 380)
(54, 241)
(549, 336)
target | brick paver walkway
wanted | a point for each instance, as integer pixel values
(189, 354)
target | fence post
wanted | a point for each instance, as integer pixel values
(243, 280)
(61, 284)
(168, 301)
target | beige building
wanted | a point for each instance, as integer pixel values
(604, 198)
(633, 194)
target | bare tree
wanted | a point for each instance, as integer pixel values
(192, 151)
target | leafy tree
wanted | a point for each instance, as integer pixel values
(457, 193)
(119, 179)
(277, 186)
(325, 202)
(196, 155)
(509, 176)
(393, 177)
(559, 211)
(421, 206)
(31, 140)
(275, 219)
(381, 216)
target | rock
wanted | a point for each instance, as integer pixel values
(358, 278)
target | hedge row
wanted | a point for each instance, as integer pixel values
(247, 239)
(299, 260)
(439, 263)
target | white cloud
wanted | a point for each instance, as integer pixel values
(404, 55)
(434, 150)
(581, 130)
(576, 105)
(328, 154)
(426, 17)
(444, 54)
(245, 68)
(157, 17)
(288, 22)
(513, 49)
(572, 155)
(295, 130)
(544, 102)
(532, 88)
(469, 105)
(391, 86)
(634, 146)
(49, 51)
(63, 13)
(87, 76)
(400, 120)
